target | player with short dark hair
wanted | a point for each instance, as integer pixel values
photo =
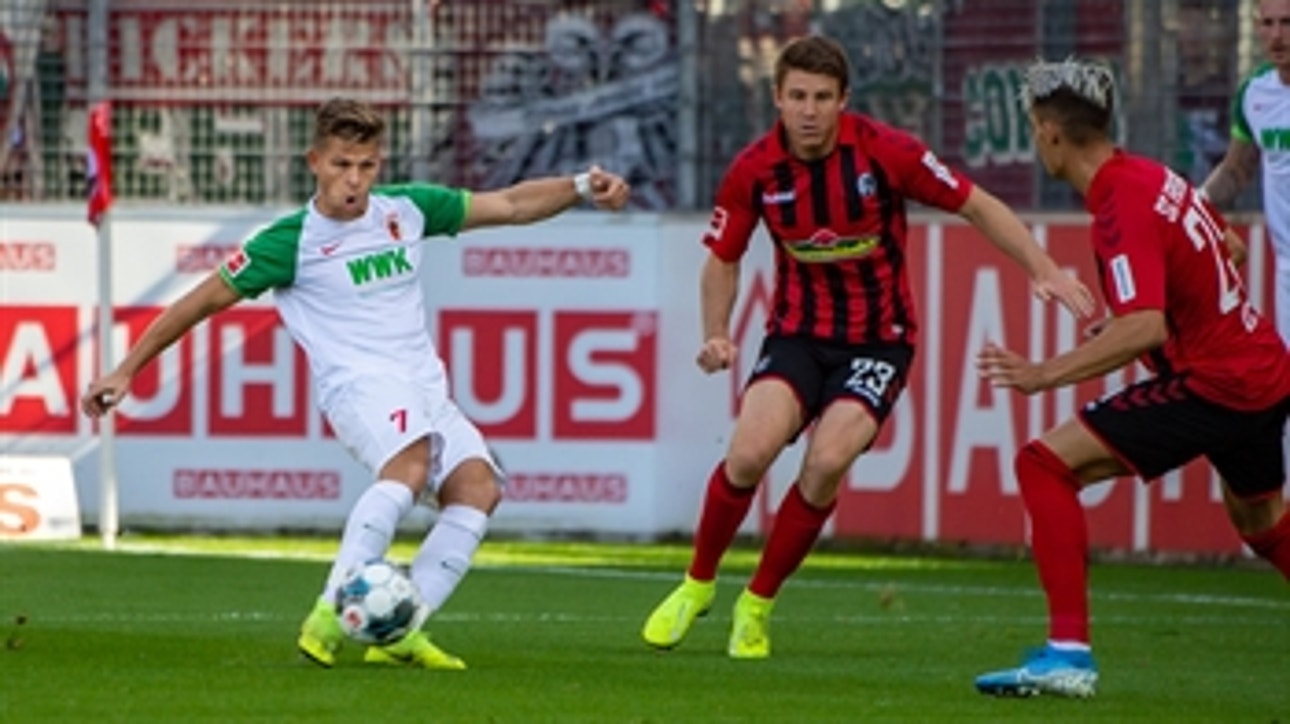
(345, 275)
(1221, 384)
(831, 187)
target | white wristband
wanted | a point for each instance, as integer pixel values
(582, 184)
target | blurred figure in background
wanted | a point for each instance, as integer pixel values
(1261, 131)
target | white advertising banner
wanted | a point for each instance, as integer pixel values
(571, 343)
(37, 499)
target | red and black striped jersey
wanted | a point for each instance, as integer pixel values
(1159, 246)
(839, 227)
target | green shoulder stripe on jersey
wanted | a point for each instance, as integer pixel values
(443, 208)
(267, 259)
(1240, 124)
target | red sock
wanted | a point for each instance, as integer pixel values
(1059, 539)
(1273, 544)
(796, 528)
(724, 509)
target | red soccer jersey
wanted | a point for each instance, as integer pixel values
(839, 227)
(1159, 245)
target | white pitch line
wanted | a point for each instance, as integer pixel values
(937, 589)
(557, 618)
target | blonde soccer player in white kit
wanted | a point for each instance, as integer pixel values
(1261, 133)
(344, 272)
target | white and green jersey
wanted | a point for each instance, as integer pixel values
(348, 291)
(1261, 115)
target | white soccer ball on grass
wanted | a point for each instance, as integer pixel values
(378, 604)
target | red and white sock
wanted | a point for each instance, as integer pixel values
(1059, 539)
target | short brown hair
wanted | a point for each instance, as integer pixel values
(348, 120)
(815, 54)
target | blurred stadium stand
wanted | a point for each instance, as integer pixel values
(213, 98)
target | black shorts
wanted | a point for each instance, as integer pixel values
(1159, 424)
(820, 372)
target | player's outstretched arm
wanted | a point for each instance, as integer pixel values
(538, 199)
(211, 296)
(1120, 341)
(1237, 169)
(1002, 227)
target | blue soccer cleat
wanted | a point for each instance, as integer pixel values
(1045, 671)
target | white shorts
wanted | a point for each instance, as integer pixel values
(376, 417)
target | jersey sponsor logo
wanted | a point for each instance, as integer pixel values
(779, 197)
(189, 483)
(1122, 274)
(237, 263)
(826, 245)
(939, 170)
(379, 266)
(500, 261)
(28, 256)
(1275, 139)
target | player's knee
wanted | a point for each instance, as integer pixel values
(745, 466)
(473, 483)
(1036, 462)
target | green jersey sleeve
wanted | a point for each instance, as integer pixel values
(267, 259)
(1240, 124)
(443, 209)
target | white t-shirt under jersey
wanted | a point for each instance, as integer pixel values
(349, 292)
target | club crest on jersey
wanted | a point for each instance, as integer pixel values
(866, 185)
(392, 226)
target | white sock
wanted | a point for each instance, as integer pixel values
(1069, 645)
(445, 554)
(369, 529)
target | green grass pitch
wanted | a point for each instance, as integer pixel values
(551, 634)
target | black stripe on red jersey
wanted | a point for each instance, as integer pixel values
(837, 282)
(788, 206)
(855, 207)
(820, 188)
(892, 210)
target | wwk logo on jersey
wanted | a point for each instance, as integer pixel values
(379, 266)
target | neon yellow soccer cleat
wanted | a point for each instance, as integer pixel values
(750, 633)
(321, 635)
(414, 650)
(672, 619)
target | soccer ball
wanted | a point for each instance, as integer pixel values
(378, 604)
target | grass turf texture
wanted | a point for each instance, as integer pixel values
(551, 633)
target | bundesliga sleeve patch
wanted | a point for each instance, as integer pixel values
(237, 263)
(1122, 276)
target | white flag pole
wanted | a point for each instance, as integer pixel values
(108, 517)
(99, 92)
